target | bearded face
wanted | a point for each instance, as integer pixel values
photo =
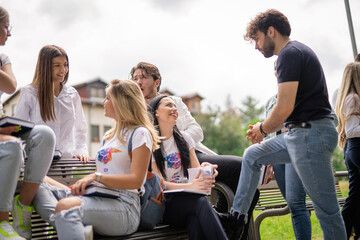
(268, 47)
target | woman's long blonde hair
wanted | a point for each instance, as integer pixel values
(4, 15)
(44, 82)
(350, 85)
(130, 110)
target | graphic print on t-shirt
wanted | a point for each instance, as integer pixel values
(104, 155)
(173, 161)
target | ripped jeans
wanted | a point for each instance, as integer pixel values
(309, 151)
(39, 148)
(109, 217)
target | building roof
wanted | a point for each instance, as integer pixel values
(89, 82)
(96, 80)
(192, 95)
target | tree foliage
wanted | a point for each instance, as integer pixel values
(249, 110)
(225, 131)
(338, 160)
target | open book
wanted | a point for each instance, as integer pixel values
(100, 190)
(11, 121)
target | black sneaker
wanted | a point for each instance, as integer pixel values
(233, 224)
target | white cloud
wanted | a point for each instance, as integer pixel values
(198, 45)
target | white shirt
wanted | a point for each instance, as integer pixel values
(352, 125)
(69, 127)
(3, 61)
(188, 124)
(173, 168)
(113, 157)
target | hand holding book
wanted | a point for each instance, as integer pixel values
(78, 188)
(8, 130)
(14, 126)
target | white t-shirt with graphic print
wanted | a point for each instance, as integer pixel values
(113, 157)
(173, 168)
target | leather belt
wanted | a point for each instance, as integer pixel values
(298, 125)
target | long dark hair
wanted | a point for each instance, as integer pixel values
(44, 81)
(181, 143)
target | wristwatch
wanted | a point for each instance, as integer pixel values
(98, 176)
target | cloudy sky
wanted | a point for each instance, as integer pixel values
(198, 45)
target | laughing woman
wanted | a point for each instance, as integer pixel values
(49, 101)
(171, 161)
(111, 217)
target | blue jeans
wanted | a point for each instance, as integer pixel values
(109, 217)
(39, 148)
(309, 150)
(293, 191)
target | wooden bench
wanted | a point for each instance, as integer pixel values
(272, 203)
(68, 171)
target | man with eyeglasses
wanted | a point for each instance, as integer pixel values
(303, 106)
(148, 77)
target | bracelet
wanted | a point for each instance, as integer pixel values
(262, 131)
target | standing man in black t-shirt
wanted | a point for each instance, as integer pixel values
(304, 108)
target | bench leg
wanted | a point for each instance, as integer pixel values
(268, 213)
(251, 231)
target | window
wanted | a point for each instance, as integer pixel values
(95, 133)
(97, 92)
(195, 106)
(106, 128)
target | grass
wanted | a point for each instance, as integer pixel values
(280, 227)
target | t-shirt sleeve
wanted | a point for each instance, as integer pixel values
(4, 60)
(142, 136)
(288, 66)
(188, 139)
(352, 124)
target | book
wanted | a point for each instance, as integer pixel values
(11, 121)
(180, 191)
(266, 174)
(100, 190)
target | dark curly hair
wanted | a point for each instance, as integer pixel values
(181, 143)
(149, 69)
(264, 20)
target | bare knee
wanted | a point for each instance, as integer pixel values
(67, 203)
(5, 138)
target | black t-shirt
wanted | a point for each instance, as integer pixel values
(297, 62)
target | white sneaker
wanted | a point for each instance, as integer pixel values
(22, 218)
(8, 233)
(89, 233)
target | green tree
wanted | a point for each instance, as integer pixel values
(338, 160)
(225, 131)
(250, 110)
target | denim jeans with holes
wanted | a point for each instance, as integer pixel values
(309, 150)
(39, 148)
(108, 216)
